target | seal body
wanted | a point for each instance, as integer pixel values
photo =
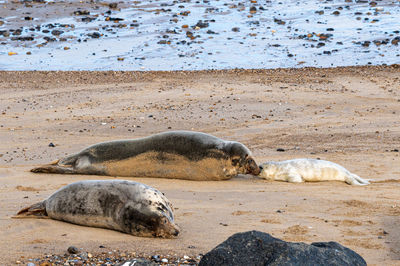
(300, 170)
(175, 154)
(125, 206)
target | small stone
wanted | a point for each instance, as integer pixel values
(94, 35)
(164, 260)
(113, 5)
(73, 250)
(280, 150)
(235, 29)
(156, 258)
(51, 144)
(31, 264)
(57, 32)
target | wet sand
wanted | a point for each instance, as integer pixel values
(345, 115)
(197, 35)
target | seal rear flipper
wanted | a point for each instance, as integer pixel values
(56, 169)
(37, 210)
(354, 179)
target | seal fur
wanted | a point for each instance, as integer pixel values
(300, 170)
(175, 154)
(120, 205)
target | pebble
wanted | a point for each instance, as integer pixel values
(73, 250)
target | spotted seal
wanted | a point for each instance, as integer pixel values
(175, 154)
(120, 205)
(300, 170)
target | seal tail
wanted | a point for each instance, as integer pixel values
(353, 179)
(37, 210)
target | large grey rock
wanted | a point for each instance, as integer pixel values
(258, 248)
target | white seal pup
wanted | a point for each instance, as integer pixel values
(120, 205)
(175, 154)
(300, 170)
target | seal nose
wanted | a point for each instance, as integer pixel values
(256, 171)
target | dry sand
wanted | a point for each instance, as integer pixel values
(346, 115)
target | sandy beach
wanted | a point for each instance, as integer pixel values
(346, 115)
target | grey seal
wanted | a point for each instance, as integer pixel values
(311, 170)
(120, 205)
(174, 154)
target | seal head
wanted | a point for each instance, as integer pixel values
(242, 159)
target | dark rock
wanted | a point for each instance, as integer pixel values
(279, 21)
(73, 250)
(24, 38)
(57, 32)
(258, 248)
(201, 24)
(81, 13)
(87, 19)
(113, 5)
(4, 33)
(280, 149)
(49, 39)
(94, 35)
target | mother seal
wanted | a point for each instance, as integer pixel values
(175, 154)
(125, 206)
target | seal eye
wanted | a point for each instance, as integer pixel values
(235, 162)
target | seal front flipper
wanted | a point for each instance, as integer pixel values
(37, 210)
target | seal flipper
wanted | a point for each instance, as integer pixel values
(354, 179)
(58, 166)
(56, 169)
(37, 210)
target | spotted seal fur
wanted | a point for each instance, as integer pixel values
(120, 205)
